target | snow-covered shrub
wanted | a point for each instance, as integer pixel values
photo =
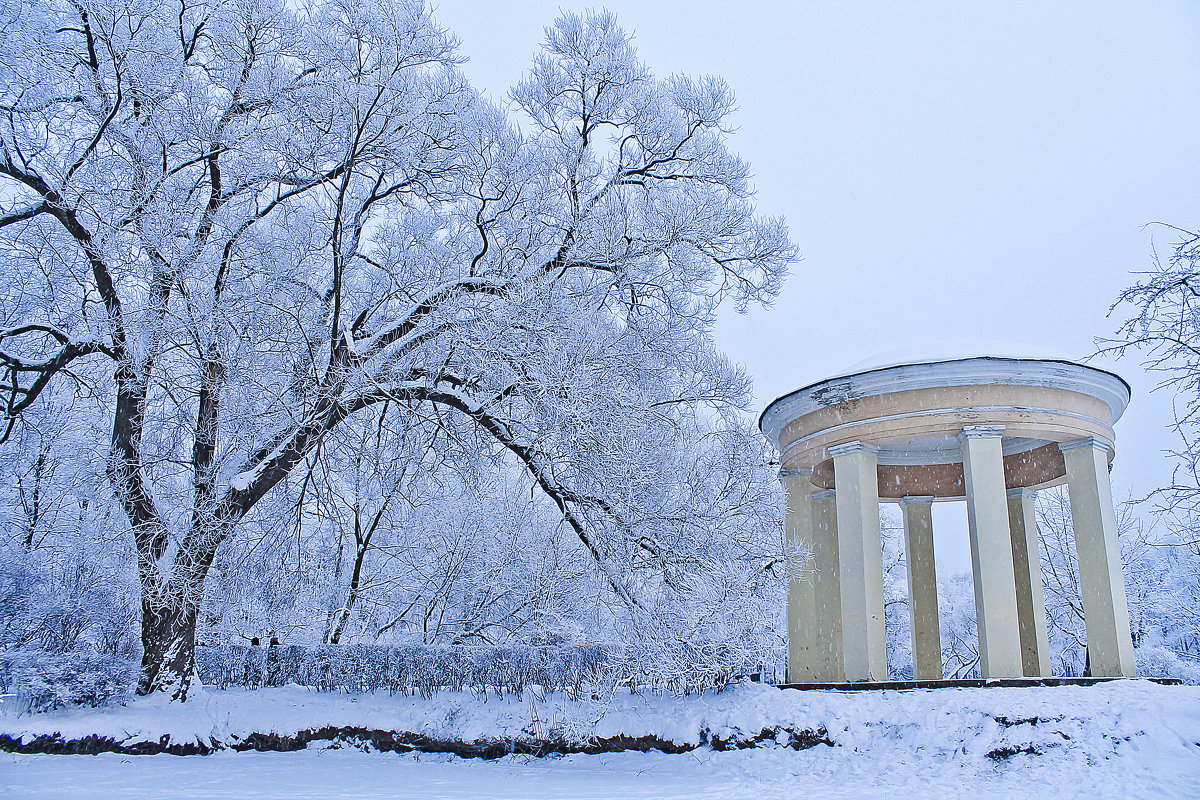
(42, 681)
(1155, 661)
(421, 669)
(68, 625)
(64, 592)
(67, 628)
(426, 670)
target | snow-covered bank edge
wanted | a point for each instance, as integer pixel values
(407, 742)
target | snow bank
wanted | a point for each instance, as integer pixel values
(1120, 739)
(1096, 721)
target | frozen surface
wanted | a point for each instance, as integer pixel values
(812, 774)
(1120, 740)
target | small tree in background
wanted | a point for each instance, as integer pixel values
(1164, 331)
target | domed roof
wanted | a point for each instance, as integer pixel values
(932, 352)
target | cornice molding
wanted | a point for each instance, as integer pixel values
(982, 371)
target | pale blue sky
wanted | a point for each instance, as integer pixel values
(949, 170)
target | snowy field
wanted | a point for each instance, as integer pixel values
(1121, 740)
(812, 774)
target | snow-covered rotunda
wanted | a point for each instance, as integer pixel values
(991, 429)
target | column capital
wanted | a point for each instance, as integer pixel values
(824, 493)
(1090, 441)
(916, 500)
(795, 473)
(980, 431)
(1022, 492)
(852, 447)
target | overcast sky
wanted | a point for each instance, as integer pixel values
(949, 170)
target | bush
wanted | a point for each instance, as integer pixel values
(43, 681)
(1160, 662)
(38, 680)
(428, 669)
(421, 669)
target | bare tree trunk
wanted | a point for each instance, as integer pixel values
(355, 581)
(362, 544)
(170, 609)
(168, 645)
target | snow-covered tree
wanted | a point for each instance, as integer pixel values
(230, 227)
(897, 613)
(1164, 330)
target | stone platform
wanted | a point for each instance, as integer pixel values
(965, 683)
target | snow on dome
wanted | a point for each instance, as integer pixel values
(945, 364)
(933, 352)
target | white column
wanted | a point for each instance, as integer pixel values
(1027, 568)
(826, 571)
(860, 558)
(922, 588)
(801, 597)
(991, 552)
(1106, 615)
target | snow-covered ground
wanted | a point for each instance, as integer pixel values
(811, 774)
(1119, 740)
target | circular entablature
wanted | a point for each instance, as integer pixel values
(912, 413)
